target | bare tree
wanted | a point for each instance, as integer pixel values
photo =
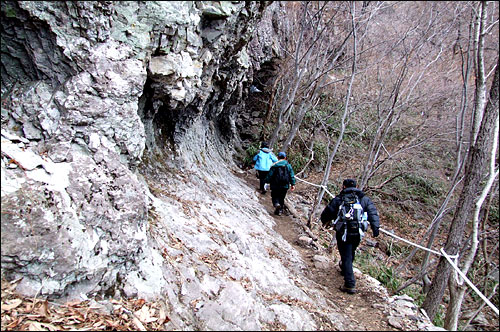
(466, 59)
(297, 71)
(318, 78)
(313, 54)
(345, 113)
(398, 85)
(457, 290)
(474, 170)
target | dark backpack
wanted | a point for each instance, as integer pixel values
(350, 215)
(281, 176)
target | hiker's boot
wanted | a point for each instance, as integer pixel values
(277, 211)
(285, 211)
(348, 290)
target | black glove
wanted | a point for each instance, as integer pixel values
(375, 232)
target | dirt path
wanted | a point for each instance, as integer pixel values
(363, 308)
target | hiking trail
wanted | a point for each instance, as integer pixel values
(364, 309)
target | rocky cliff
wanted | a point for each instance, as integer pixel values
(120, 124)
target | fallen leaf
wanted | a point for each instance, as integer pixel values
(44, 309)
(85, 328)
(51, 327)
(97, 325)
(35, 326)
(30, 306)
(73, 303)
(73, 320)
(76, 313)
(60, 319)
(145, 314)
(14, 323)
(140, 302)
(163, 315)
(111, 323)
(13, 304)
(138, 324)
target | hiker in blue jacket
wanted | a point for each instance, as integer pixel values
(281, 177)
(346, 242)
(263, 162)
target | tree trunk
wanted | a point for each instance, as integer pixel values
(458, 291)
(474, 169)
(456, 298)
(296, 124)
(480, 100)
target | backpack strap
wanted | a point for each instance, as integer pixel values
(338, 212)
(351, 211)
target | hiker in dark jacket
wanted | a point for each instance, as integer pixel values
(279, 191)
(263, 162)
(348, 243)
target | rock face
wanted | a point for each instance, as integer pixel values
(119, 123)
(85, 87)
(118, 127)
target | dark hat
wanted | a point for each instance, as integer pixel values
(282, 155)
(348, 183)
(264, 145)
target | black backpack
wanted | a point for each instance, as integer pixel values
(281, 176)
(350, 215)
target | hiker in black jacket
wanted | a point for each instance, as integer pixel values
(280, 182)
(347, 243)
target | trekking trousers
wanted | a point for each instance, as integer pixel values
(278, 196)
(262, 177)
(347, 251)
